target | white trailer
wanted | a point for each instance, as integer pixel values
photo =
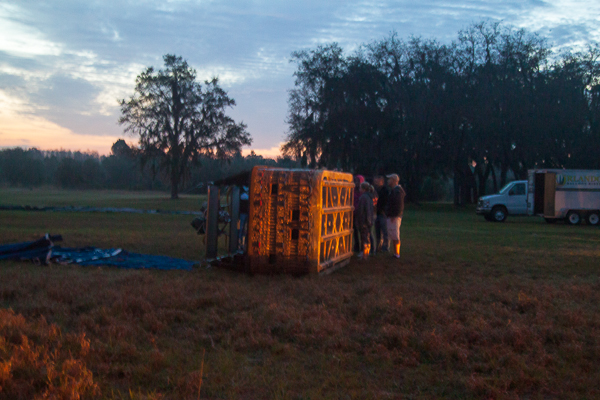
(572, 195)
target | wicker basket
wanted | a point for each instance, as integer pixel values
(300, 220)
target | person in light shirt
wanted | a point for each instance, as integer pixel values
(394, 212)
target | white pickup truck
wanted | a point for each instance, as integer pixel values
(510, 200)
(555, 194)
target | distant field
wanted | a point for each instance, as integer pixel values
(99, 198)
(473, 310)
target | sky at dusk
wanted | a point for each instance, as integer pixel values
(64, 64)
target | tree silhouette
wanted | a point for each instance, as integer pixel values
(178, 120)
(492, 104)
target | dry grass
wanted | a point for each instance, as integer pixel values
(474, 310)
(38, 362)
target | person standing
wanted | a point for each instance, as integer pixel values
(364, 218)
(394, 212)
(381, 232)
(358, 180)
(374, 197)
(244, 212)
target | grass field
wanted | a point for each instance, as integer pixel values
(48, 197)
(473, 310)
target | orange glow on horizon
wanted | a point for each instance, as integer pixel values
(34, 131)
(45, 135)
(21, 127)
(273, 152)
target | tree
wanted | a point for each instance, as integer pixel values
(488, 102)
(92, 173)
(178, 120)
(121, 148)
(69, 173)
(308, 112)
(20, 167)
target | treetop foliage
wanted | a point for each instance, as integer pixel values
(178, 120)
(495, 101)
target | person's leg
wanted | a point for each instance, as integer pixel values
(356, 239)
(390, 228)
(394, 234)
(396, 248)
(372, 243)
(398, 242)
(386, 240)
(385, 243)
(378, 232)
(365, 236)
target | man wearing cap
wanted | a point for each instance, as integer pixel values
(394, 211)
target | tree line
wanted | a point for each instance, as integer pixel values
(492, 104)
(74, 169)
(125, 168)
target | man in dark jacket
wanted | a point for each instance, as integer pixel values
(383, 193)
(394, 212)
(364, 218)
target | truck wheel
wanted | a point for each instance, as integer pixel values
(593, 218)
(573, 218)
(499, 214)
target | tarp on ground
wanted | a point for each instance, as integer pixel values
(91, 256)
(44, 251)
(37, 250)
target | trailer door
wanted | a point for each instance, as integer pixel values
(530, 193)
(549, 194)
(537, 188)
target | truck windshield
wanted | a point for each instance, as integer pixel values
(506, 188)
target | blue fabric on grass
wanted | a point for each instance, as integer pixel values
(44, 251)
(91, 256)
(37, 250)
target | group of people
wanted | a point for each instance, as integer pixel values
(381, 206)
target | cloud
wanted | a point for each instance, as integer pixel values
(567, 23)
(76, 91)
(20, 39)
(68, 61)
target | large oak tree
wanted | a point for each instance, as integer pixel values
(178, 119)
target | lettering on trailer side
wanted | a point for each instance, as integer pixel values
(582, 181)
